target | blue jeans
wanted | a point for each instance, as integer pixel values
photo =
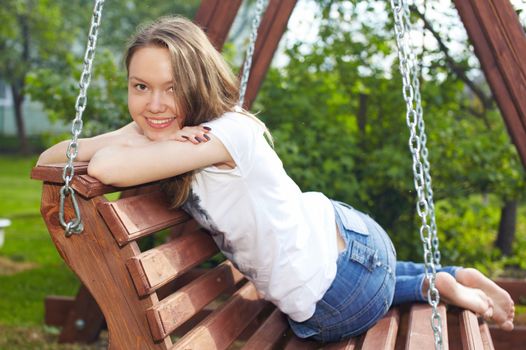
(368, 281)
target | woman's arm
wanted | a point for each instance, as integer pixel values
(89, 146)
(129, 165)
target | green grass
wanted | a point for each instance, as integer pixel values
(42, 271)
(28, 250)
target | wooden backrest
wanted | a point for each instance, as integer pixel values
(156, 298)
(147, 295)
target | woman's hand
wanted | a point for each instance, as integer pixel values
(194, 134)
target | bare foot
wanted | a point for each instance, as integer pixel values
(504, 309)
(465, 297)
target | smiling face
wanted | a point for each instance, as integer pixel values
(151, 99)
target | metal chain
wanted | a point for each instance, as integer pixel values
(260, 6)
(75, 224)
(423, 142)
(416, 145)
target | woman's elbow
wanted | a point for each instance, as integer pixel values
(104, 169)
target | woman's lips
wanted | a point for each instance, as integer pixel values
(159, 123)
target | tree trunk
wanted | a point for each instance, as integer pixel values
(362, 113)
(18, 101)
(508, 218)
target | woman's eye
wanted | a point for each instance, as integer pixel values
(171, 89)
(140, 87)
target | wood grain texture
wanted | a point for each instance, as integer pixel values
(419, 333)
(82, 183)
(273, 25)
(179, 307)
(500, 44)
(350, 344)
(270, 333)
(224, 325)
(162, 264)
(469, 331)
(137, 216)
(56, 309)
(86, 310)
(216, 18)
(383, 334)
(485, 334)
(98, 262)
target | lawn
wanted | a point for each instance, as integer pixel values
(30, 267)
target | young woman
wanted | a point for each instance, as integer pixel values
(329, 267)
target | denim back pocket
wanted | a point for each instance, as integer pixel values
(350, 218)
(364, 255)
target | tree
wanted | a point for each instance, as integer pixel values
(338, 117)
(45, 40)
(32, 35)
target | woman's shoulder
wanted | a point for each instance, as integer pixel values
(237, 120)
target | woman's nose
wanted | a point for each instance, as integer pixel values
(156, 103)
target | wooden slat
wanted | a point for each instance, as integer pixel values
(56, 309)
(216, 18)
(500, 44)
(296, 343)
(486, 336)
(179, 307)
(508, 340)
(98, 261)
(420, 334)
(85, 310)
(469, 331)
(180, 282)
(273, 24)
(383, 334)
(270, 333)
(453, 324)
(53, 172)
(82, 183)
(160, 265)
(137, 216)
(350, 344)
(221, 328)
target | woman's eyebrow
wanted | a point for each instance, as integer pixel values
(169, 82)
(135, 78)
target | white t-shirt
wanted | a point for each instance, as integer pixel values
(281, 239)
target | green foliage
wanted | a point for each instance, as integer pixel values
(32, 35)
(54, 82)
(338, 118)
(106, 107)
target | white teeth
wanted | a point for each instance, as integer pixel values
(160, 121)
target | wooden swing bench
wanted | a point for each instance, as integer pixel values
(159, 299)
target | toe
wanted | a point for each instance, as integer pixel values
(488, 314)
(507, 326)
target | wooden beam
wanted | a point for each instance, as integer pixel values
(500, 44)
(84, 320)
(271, 30)
(216, 18)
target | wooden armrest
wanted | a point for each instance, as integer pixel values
(85, 185)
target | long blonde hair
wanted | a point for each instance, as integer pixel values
(206, 87)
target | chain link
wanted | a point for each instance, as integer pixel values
(421, 167)
(75, 224)
(260, 7)
(423, 145)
